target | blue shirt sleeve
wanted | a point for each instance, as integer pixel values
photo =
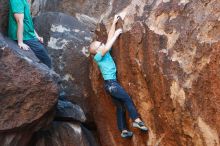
(98, 57)
(17, 6)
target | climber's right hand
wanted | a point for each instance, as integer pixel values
(23, 46)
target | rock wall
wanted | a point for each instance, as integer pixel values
(168, 61)
(86, 11)
(67, 41)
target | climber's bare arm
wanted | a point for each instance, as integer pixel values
(19, 17)
(112, 29)
(111, 41)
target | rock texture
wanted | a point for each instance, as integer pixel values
(4, 9)
(86, 11)
(66, 129)
(28, 94)
(168, 61)
(67, 40)
(64, 134)
(68, 111)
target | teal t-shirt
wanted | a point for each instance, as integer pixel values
(20, 6)
(106, 65)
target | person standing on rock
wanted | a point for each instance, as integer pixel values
(21, 29)
(108, 69)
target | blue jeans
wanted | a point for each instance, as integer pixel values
(122, 100)
(39, 50)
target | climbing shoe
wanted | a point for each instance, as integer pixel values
(126, 134)
(140, 125)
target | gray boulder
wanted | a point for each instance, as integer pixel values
(68, 40)
(64, 134)
(68, 111)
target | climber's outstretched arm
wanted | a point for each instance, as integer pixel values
(112, 29)
(111, 41)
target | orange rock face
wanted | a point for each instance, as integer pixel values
(168, 61)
